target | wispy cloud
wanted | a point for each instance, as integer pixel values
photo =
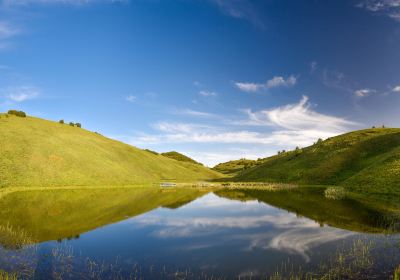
(298, 117)
(360, 93)
(276, 81)
(390, 8)
(131, 98)
(207, 93)
(249, 87)
(396, 89)
(293, 124)
(240, 9)
(313, 66)
(7, 31)
(194, 113)
(20, 93)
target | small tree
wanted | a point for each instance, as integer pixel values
(71, 123)
(319, 141)
(373, 126)
(383, 126)
(17, 113)
(78, 125)
(61, 121)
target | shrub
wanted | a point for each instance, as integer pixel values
(71, 124)
(150, 151)
(78, 125)
(335, 193)
(17, 113)
(61, 121)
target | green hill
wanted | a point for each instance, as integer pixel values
(37, 152)
(233, 167)
(365, 161)
(180, 157)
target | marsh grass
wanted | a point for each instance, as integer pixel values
(7, 275)
(14, 238)
(355, 260)
(335, 193)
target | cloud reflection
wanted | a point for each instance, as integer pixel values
(235, 220)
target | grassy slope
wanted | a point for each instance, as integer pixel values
(365, 160)
(60, 213)
(37, 152)
(179, 157)
(233, 167)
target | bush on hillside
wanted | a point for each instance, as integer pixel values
(78, 125)
(150, 151)
(17, 113)
(61, 121)
(71, 124)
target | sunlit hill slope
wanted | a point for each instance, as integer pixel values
(363, 161)
(37, 152)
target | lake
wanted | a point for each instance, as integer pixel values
(189, 233)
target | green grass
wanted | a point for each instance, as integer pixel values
(365, 161)
(180, 157)
(58, 213)
(37, 152)
(233, 167)
(7, 276)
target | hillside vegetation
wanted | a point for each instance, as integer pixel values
(233, 167)
(365, 161)
(180, 157)
(37, 152)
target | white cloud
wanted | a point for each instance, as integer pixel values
(396, 89)
(279, 81)
(207, 93)
(131, 98)
(299, 117)
(193, 113)
(285, 127)
(249, 87)
(363, 92)
(276, 81)
(20, 93)
(390, 8)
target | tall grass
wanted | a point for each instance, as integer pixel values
(7, 276)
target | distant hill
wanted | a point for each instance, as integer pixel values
(365, 161)
(180, 157)
(233, 167)
(37, 152)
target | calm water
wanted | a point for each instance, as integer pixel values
(191, 234)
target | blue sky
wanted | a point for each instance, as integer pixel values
(215, 79)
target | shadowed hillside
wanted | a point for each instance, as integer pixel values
(37, 152)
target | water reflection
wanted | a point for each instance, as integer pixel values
(225, 232)
(277, 230)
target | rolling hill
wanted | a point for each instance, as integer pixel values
(37, 152)
(180, 157)
(233, 167)
(364, 161)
